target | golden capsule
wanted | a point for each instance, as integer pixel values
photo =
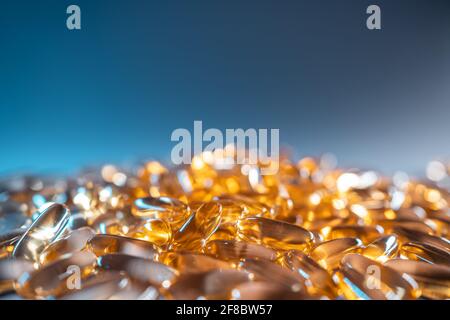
(8, 241)
(276, 234)
(114, 222)
(199, 227)
(11, 270)
(210, 285)
(153, 230)
(365, 279)
(48, 227)
(329, 254)
(366, 234)
(170, 210)
(139, 269)
(186, 262)
(100, 286)
(317, 280)
(390, 226)
(425, 252)
(264, 270)
(73, 242)
(237, 250)
(266, 290)
(56, 278)
(102, 244)
(434, 280)
(415, 236)
(382, 249)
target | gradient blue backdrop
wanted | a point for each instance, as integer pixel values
(115, 90)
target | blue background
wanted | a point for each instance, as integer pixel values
(115, 90)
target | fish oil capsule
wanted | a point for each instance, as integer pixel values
(11, 270)
(363, 278)
(199, 227)
(411, 236)
(114, 222)
(382, 249)
(170, 210)
(11, 217)
(73, 242)
(156, 231)
(102, 244)
(210, 285)
(264, 270)
(433, 279)
(425, 252)
(54, 278)
(265, 290)
(139, 269)
(250, 206)
(329, 254)
(100, 286)
(48, 227)
(186, 262)
(238, 250)
(390, 226)
(8, 241)
(440, 223)
(366, 234)
(317, 280)
(275, 234)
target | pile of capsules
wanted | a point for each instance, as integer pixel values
(212, 230)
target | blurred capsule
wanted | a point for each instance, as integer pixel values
(266, 290)
(8, 241)
(382, 249)
(363, 278)
(186, 262)
(275, 234)
(237, 250)
(390, 226)
(317, 280)
(329, 254)
(139, 269)
(366, 234)
(73, 242)
(102, 244)
(434, 280)
(425, 252)
(11, 270)
(415, 236)
(56, 278)
(211, 285)
(11, 217)
(49, 226)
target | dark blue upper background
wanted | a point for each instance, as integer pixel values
(137, 70)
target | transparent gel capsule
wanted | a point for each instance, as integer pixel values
(211, 285)
(8, 241)
(276, 234)
(329, 254)
(412, 236)
(366, 234)
(365, 279)
(56, 278)
(317, 280)
(425, 252)
(186, 262)
(434, 280)
(265, 290)
(48, 227)
(171, 210)
(153, 230)
(199, 227)
(102, 244)
(263, 270)
(99, 286)
(73, 242)
(139, 269)
(11, 270)
(390, 226)
(238, 250)
(11, 217)
(382, 249)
